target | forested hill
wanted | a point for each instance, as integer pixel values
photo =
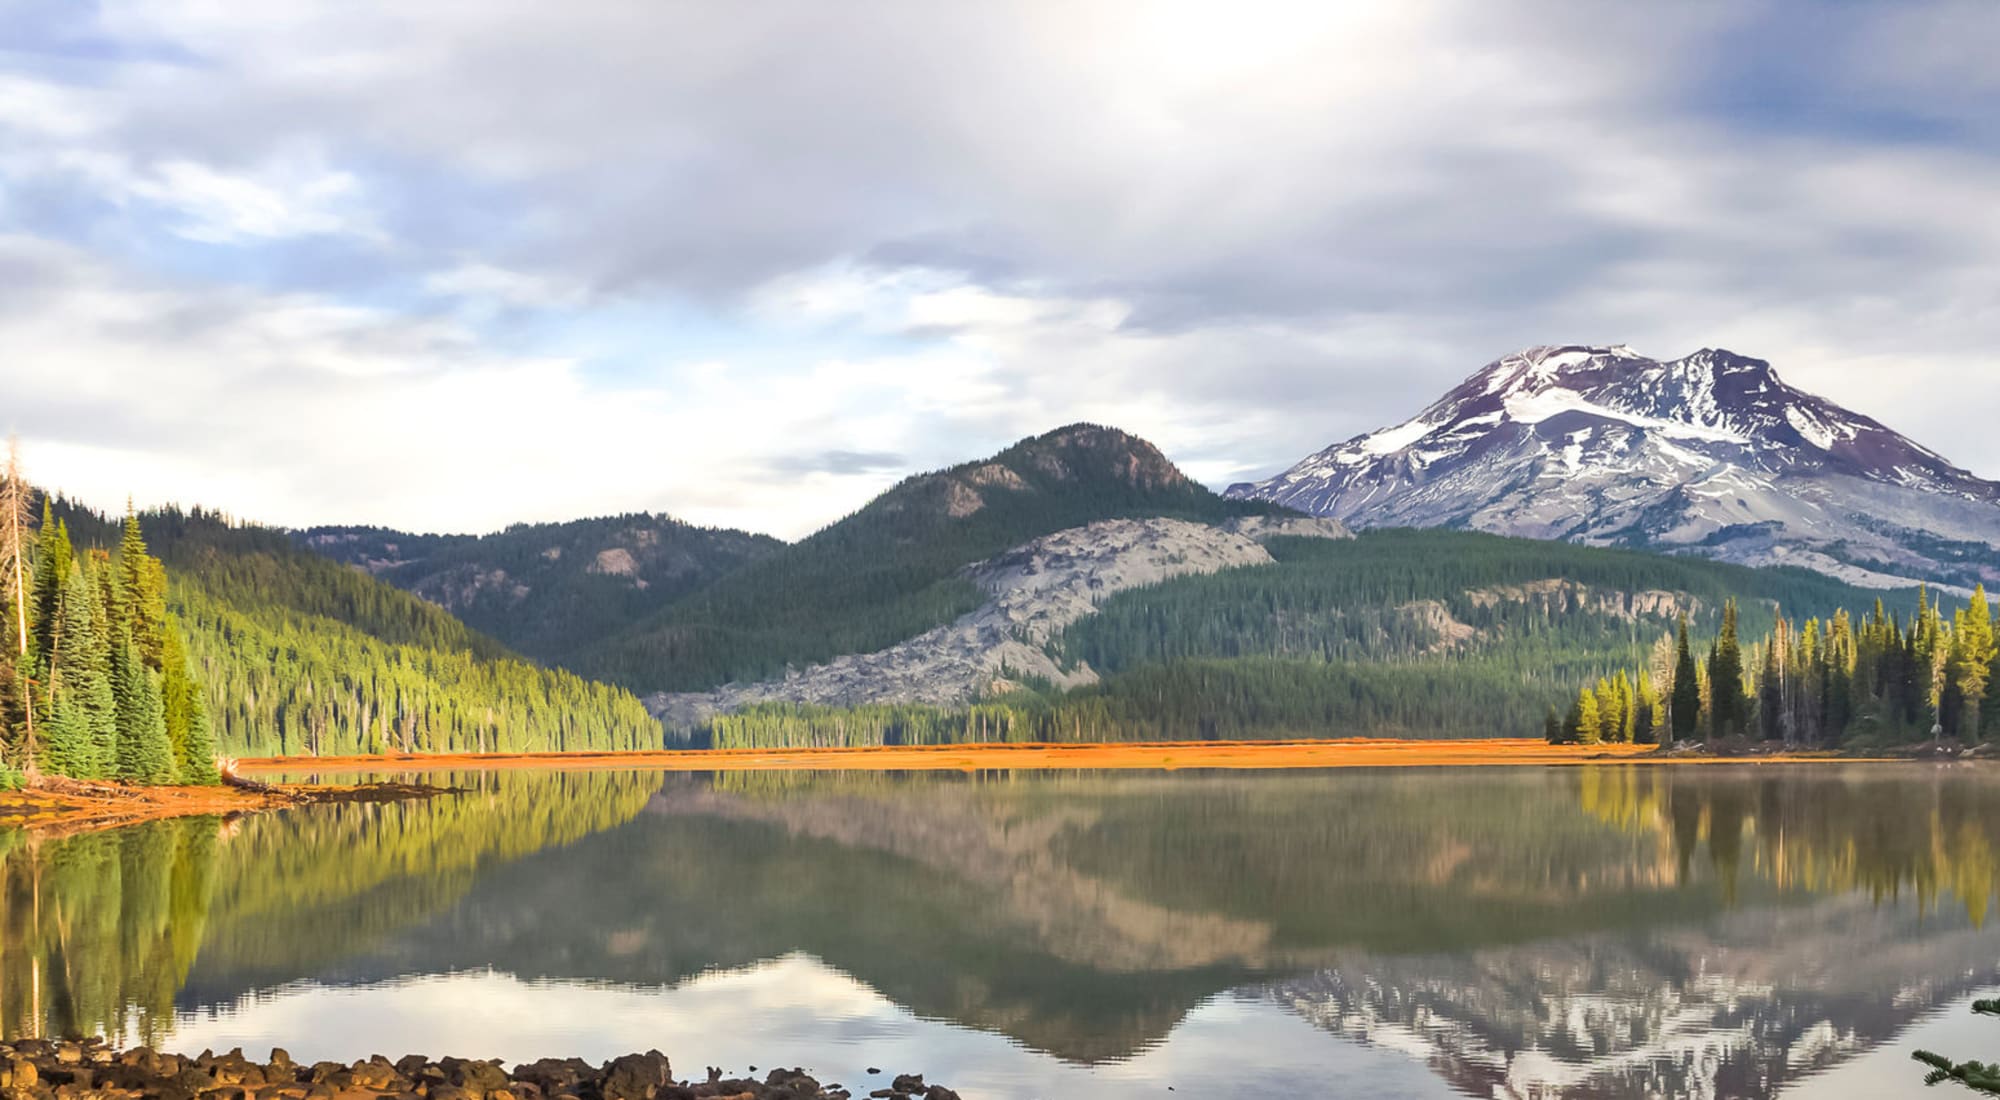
(1416, 633)
(549, 589)
(890, 571)
(300, 654)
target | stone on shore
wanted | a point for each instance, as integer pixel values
(38, 1069)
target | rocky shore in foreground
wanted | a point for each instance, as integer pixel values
(41, 1069)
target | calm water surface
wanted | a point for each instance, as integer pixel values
(1601, 932)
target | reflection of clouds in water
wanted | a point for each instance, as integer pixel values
(791, 1011)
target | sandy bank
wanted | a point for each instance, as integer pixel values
(1354, 753)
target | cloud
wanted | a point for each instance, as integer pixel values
(921, 231)
(219, 207)
(839, 462)
(291, 409)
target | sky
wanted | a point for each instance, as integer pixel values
(451, 265)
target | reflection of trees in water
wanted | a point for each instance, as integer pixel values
(1086, 914)
(1915, 830)
(102, 931)
(98, 931)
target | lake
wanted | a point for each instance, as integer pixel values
(1711, 931)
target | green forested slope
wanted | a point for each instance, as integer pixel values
(300, 654)
(1352, 600)
(1427, 633)
(549, 589)
(890, 571)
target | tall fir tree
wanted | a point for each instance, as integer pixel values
(144, 753)
(1725, 679)
(190, 739)
(1971, 659)
(142, 591)
(80, 669)
(1646, 720)
(53, 560)
(1685, 706)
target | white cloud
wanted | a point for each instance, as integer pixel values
(287, 200)
(925, 230)
(292, 410)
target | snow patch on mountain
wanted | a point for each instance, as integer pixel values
(1712, 453)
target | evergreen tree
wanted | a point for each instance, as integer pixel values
(190, 740)
(1725, 679)
(1980, 1077)
(144, 753)
(1646, 723)
(1589, 719)
(1552, 728)
(1685, 709)
(66, 747)
(52, 568)
(1610, 711)
(1971, 659)
(80, 671)
(142, 591)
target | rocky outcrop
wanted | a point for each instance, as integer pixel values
(1035, 590)
(39, 1069)
(1555, 594)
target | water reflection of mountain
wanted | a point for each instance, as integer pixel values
(1616, 928)
(1742, 1007)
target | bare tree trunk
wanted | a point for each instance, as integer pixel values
(14, 524)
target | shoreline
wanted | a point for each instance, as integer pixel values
(1092, 756)
(69, 808)
(77, 807)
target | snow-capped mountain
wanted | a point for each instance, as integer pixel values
(1712, 454)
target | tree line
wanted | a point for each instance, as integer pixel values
(232, 639)
(301, 655)
(1876, 678)
(95, 681)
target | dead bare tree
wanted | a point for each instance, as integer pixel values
(17, 520)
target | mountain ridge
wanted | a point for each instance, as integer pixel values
(548, 589)
(1712, 453)
(891, 570)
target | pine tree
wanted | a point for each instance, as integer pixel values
(1646, 724)
(190, 740)
(1685, 709)
(1971, 660)
(142, 591)
(84, 675)
(65, 746)
(1589, 723)
(1552, 728)
(1610, 711)
(144, 753)
(1980, 1077)
(1725, 679)
(52, 568)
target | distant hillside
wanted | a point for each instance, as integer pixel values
(1416, 633)
(549, 589)
(890, 571)
(300, 654)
